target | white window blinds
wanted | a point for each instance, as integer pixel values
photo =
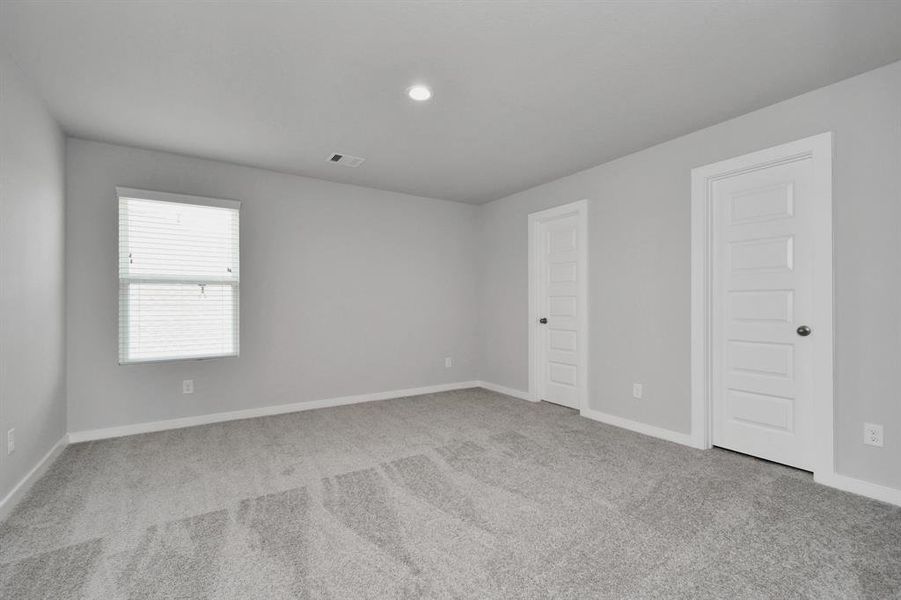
(178, 277)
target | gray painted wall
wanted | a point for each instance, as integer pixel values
(344, 290)
(32, 282)
(639, 262)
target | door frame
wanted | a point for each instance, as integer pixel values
(579, 209)
(817, 148)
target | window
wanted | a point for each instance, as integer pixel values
(178, 277)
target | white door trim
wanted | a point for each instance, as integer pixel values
(819, 149)
(579, 209)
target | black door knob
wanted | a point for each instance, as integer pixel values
(543, 320)
(803, 330)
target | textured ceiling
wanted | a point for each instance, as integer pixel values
(525, 92)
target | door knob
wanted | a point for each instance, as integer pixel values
(803, 330)
(543, 320)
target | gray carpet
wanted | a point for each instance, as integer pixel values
(464, 494)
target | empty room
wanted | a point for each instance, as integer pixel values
(450, 299)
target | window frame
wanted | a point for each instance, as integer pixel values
(123, 333)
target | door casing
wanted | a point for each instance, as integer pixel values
(817, 148)
(579, 209)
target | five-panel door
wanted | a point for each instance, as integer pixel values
(762, 297)
(559, 304)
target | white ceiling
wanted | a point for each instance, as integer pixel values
(525, 92)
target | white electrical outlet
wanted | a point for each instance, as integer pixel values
(448, 362)
(11, 441)
(637, 390)
(872, 434)
(187, 386)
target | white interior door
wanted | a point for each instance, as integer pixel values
(763, 334)
(559, 311)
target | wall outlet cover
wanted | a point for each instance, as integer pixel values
(448, 362)
(11, 441)
(187, 386)
(872, 434)
(637, 390)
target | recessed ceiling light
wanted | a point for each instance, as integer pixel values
(420, 93)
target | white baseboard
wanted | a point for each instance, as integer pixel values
(17, 493)
(841, 482)
(652, 430)
(265, 411)
(835, 480)
(596, 415)
(500, 389)
(860, 487)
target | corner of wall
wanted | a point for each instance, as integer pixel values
(32, 244)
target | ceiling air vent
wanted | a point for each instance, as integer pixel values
(346, 160)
